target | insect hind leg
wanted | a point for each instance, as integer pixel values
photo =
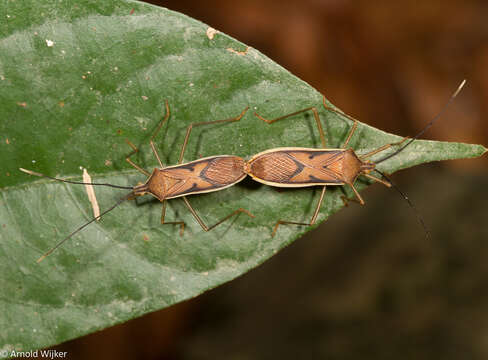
(315, 115)
(208, 228)
(191, 126)
(312, 221)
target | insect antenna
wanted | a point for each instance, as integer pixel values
(30, 172)
(120, 201)
(426, 127)
(407, 199)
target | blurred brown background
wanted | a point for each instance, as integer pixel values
(366, 284)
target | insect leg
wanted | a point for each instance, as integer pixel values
(315, 115)
(360, 199)
(208, 228)
(346, 200)
(191, 126)
(353, 129)
(386, 183)
(314, 217)
(382, 148)
(153, 147)
(163, 213)
(351, 132)
(135, 150)
(354, 126)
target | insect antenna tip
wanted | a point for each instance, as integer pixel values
(459, 88)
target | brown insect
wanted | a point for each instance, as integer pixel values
(196, 177)
(295, 167)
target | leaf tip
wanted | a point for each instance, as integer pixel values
(481, 151)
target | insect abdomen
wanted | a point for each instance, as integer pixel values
(274, 167)
(196, 177)
(297, 167)
(224, 170)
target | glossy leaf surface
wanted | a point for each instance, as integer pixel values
(76, 80)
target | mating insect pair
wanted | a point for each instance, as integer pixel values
(280, 167)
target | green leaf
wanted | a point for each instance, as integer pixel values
(76, 80)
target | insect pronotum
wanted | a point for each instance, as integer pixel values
(204, 175)
(295, 167)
